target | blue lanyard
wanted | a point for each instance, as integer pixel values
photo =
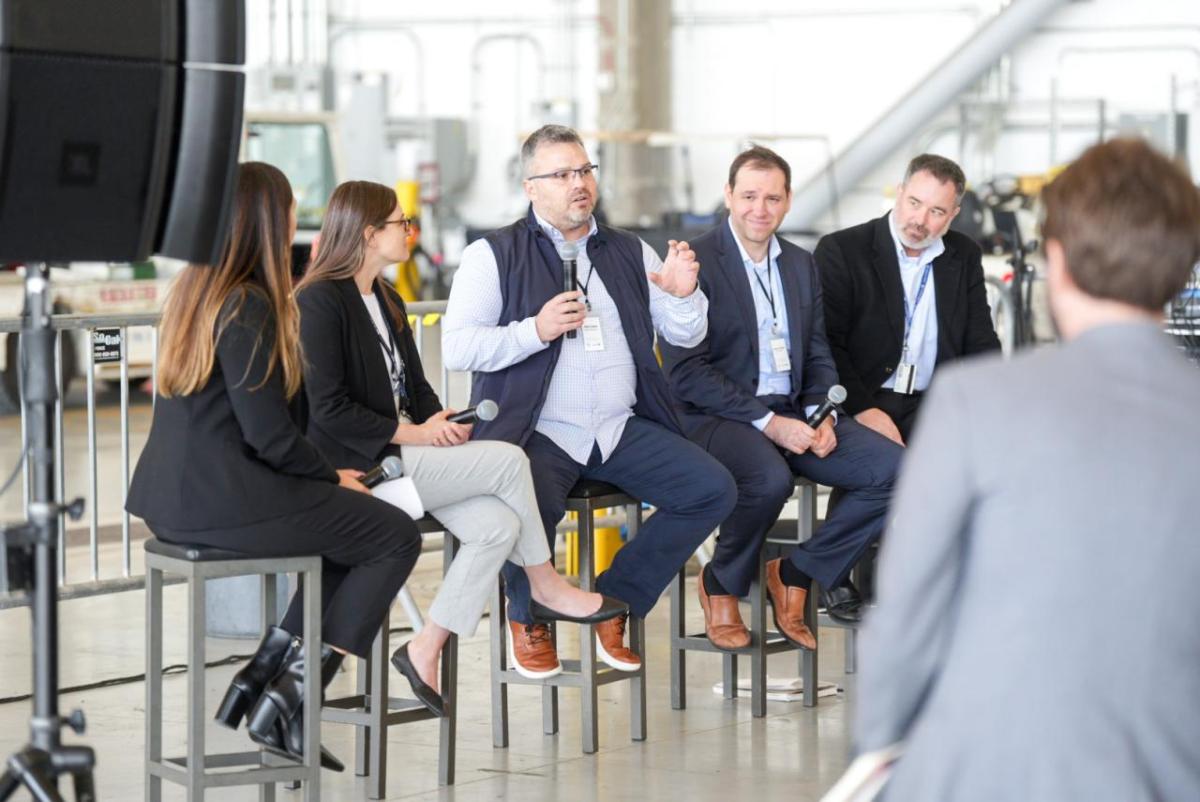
(909, 313)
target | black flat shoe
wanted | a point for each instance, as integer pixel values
(609, 608)
(424, 693)
(843, 603)
(248, 684)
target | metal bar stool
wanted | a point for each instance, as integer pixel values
(198, 564)
(585, 673)
(764, 641)
(372, 720)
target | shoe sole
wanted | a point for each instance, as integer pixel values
(525, 672)
(612, 662)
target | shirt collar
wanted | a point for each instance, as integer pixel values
(772, 252)
(557, 237)
(931, 252)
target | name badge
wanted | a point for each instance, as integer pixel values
(780, 359)
(906, 378)
(593, 338)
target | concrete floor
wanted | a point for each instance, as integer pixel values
(712, 750)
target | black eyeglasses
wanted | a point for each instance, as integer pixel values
(563, 176)
(406, 222)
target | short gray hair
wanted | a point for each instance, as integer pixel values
(942, 169)
(546, 135)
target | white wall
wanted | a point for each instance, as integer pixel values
(768, 68)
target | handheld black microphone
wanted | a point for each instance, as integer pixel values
(568, 251)
(390, 468)
(486, 410)
(837, 394)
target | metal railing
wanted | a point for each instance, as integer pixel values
(422, 317)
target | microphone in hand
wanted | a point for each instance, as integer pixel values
(485, 410)
(836, 395)
(390, 468)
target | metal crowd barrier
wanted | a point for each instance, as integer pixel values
(422, 316)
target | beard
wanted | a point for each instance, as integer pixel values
(576, 215)
(910, 239)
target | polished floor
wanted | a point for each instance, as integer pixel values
(712, 750)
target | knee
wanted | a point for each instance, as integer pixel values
(715, 489)
(502, 529)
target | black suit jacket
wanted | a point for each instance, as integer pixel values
(229, 454)
(719, 377)
(352, 416)
(864, 305)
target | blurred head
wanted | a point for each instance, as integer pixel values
(927, 200)
(256, 257)
(758, 195)
(559, 178)
(1122, 227)
(364, 229)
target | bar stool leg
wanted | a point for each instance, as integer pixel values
(154, 658)
(362, 684)
(499, 642)
(269, 597)
(195, 689)
(312, 685)
(637, 686)
(808, 658)
(448, 730)
(678, 631)
(550, 704)
(758, 641)
(377, 708)
(589, 703)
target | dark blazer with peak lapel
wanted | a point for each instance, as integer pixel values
(233, 452)
(864, 305)
(352, 416)
(719, 377)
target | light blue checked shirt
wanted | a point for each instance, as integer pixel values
(591, 393)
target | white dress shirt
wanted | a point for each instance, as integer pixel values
(591, 393)
(922, 338)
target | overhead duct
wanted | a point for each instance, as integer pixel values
(929, 98)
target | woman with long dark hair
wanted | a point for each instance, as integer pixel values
(227, 465)
(368, 398)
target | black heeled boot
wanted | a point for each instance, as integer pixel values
(248, 684)
(277, 721)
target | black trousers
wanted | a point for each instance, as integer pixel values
(368, 549)
(864, 463)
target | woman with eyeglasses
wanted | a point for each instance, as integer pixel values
(369, 399)
(227, 464)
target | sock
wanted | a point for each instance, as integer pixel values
(793, 576)
(711, 586)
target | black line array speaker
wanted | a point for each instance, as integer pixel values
(119, 127)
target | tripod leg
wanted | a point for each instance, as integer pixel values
(8, 785)
(85, 786)
(32, 770)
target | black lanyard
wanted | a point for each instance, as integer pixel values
(395, 364)
(769, 294)
(584, 286)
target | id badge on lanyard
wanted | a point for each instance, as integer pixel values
(906, 371)
(593, 337)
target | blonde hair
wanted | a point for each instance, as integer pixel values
(256, 258)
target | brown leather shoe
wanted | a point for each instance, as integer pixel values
(722, 619)
(610, 644)
(788, 604)
(531, 650)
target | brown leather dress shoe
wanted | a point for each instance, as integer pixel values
(788, 604)
(610, 645)
(722, 619)
(531, 650)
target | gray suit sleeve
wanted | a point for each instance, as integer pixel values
(905, 639)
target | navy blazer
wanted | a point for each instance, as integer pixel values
(352, 415)
(719, 377)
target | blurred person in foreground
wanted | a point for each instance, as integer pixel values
(1036, 636)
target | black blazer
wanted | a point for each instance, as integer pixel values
(352, 416)
(719, 377)
(864, 305)
(229, 455)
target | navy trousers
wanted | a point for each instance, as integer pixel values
(864, 464)
(690, 490)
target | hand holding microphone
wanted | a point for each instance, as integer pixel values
(390, 468)
(825, 440)
(568, 252)
(487, 409)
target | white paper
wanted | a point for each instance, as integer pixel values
(401, 493)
